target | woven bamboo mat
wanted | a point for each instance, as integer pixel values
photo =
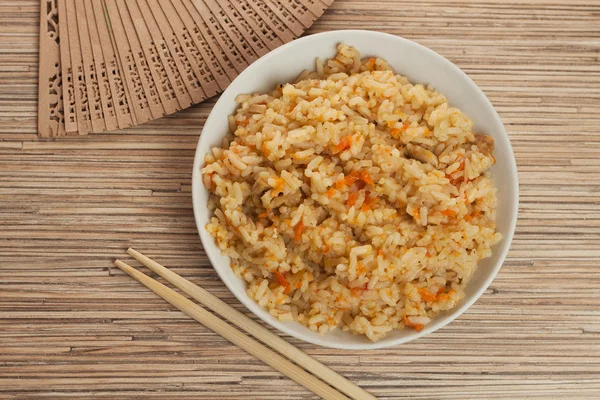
(73, 327)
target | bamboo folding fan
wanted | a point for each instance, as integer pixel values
(111, 64)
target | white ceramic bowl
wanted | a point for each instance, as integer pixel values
(420, 65)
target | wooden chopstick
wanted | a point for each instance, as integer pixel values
(235, 336)
(237, 318)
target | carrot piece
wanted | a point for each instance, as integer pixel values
(446, 296)
(330, 193)
(361, 268)
(340, 184)
(366, 203)
(417, 327)
(298, 231)
(350, 179)
(371, 64)
(213, 185)
(417, 214)
(427, 296)
(344, 144)
(366, 177)
(373, 201)
(351, 199)
(357, 291)
(449, 213)
(396, 132)
(282, 281)
(279, 182)
(453, 181)
(263, 215)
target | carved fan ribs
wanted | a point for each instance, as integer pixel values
(192, 58)
(124, 112)
(89, 70)
(112, 64)
(127, 63)
(178, 61)
(155, 71)
(50, 98)
(79, 84)
(104, 88)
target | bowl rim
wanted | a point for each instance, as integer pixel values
(436, 324)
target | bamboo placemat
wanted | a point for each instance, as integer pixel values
(71, 206)
(109, 64)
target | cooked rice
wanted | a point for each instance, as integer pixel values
(352, 198)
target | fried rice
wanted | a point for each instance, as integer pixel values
(352, 199)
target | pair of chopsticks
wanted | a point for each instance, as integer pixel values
(310, 381)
